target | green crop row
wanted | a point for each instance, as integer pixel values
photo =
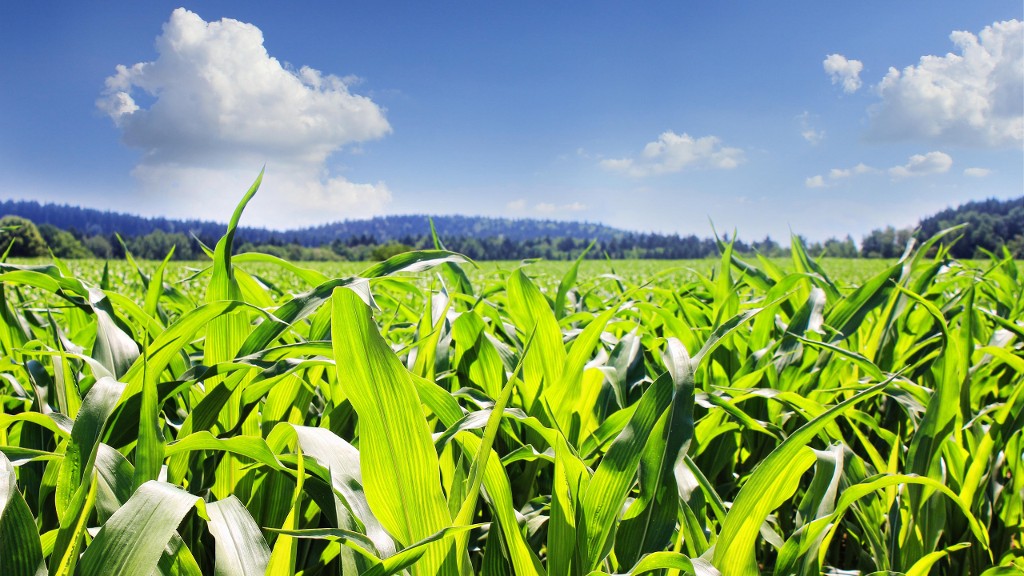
(418, 417)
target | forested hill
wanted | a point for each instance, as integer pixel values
(990, 224)
(91, 222)
(75, 232)
(386, 228)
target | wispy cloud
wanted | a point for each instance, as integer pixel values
(977, 172)
(807, 130)
(817, 181)
(835, 175)
(548, 208)
(923, 165)
(841, 173)
(519, 206)
(843, 72)
(222, 107)
(929, 164)
(673, 152)
(973, 98)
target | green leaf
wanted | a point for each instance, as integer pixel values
(342, 460)
(772, 483)
(240, 547)
(133, 539)
(20, 551)
(76, 468)
(616, 474)
(523, 559)
(544, 363)
(649, 521)
(568, 281)
(400, 468)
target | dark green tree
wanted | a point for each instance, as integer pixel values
(385, 251)
(62, 243)
(99, 246)
(22, 236)
(841, 248)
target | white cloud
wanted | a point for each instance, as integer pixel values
(973, 98)
(843, 71)
(918, 165)
(517, 205)
(837, 174)
(815, 181)
(813, 137)
(977, 172)
(840, 173)
(549, 208)
(808, 132)
(289, 196)
(923, 165)
(672, 152)
(221, 107)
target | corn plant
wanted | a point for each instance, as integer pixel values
(263, 417)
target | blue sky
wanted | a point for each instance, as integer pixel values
(822, 118)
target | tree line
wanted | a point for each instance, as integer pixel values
(990, 226)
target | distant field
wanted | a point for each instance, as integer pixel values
(844, 271)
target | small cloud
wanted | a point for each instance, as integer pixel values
(808, 132)
(815, 181)
(974, 98)
(837, 174)
(617, 164)
(840, 173)
(977, 172)
(843, 71)
(673, 152)
(923, 165)
(517, 205)
(813, 137)
(549, 208)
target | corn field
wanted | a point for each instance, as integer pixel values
(417, 419)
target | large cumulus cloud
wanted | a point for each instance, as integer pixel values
(971, 98)
(214, 106)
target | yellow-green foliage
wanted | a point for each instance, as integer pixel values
(429, 416)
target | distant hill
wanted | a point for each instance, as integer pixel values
(91, 222)
(991, 225)
(387, 228)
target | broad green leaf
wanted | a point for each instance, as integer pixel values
(20, 552)
(399, 466)
(648, 523)
(133, 539)
(616, 474)
(532, 314)
(771, 483)
(241, 549)
(76, 469)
